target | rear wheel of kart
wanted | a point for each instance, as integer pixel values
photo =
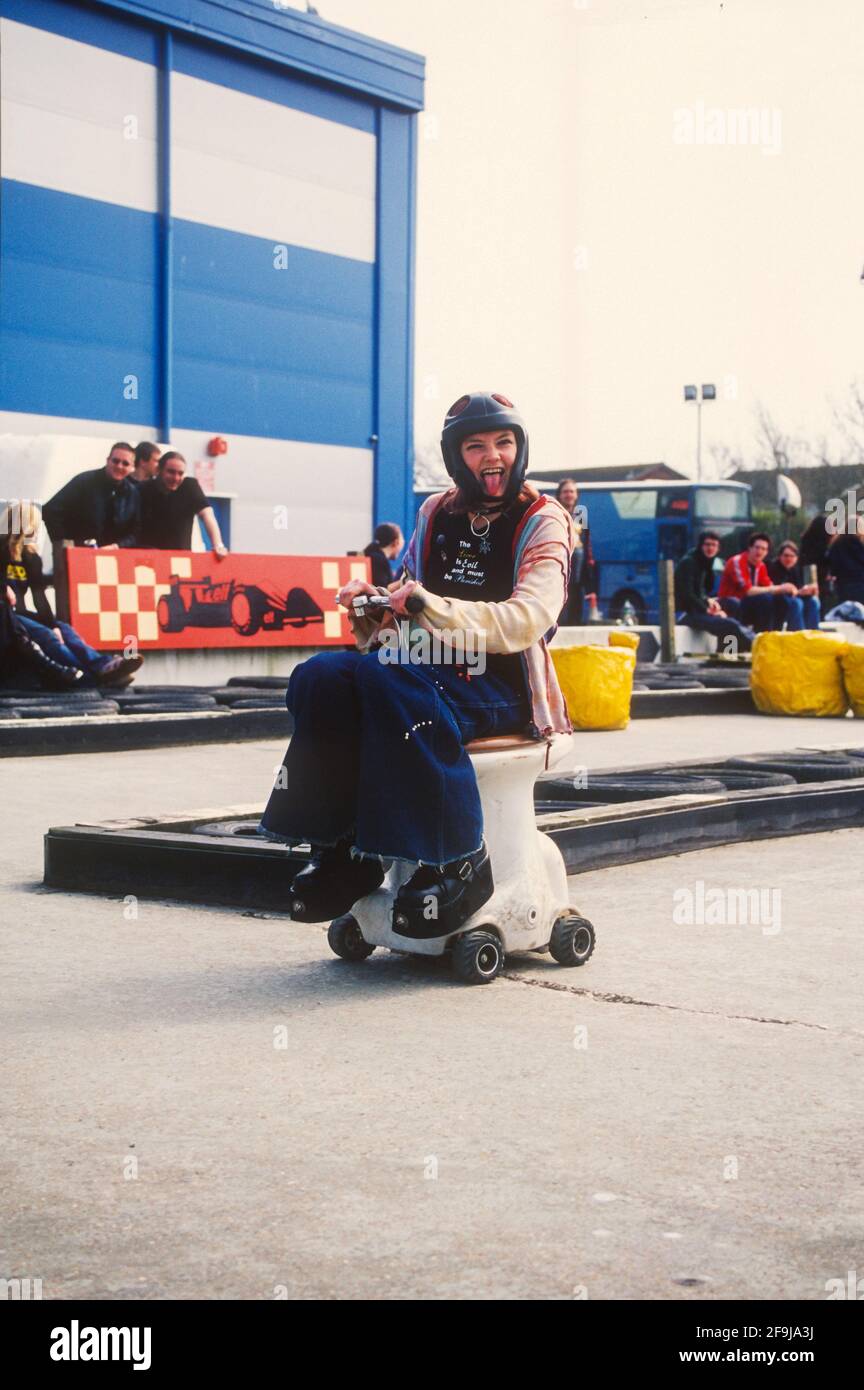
(572, 942)
(346, 940)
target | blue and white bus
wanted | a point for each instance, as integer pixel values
(633, 525)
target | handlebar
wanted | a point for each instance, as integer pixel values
(380, 603)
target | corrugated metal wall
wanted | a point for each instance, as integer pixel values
(226, 281)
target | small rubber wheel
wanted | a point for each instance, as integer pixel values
(572, 941)
(478, 957)
(345, 939)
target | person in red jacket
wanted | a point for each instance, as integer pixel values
(748, 594)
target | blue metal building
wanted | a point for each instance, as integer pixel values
(207, 228)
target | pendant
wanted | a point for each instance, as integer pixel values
(485, 530)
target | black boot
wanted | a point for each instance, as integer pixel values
(436, 902)
(332, 883)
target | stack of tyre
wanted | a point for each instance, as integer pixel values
(55, 704)
(750, 772)
(690, 675)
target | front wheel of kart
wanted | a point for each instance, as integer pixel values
(345, 939)
(572, 941)
(478, 957)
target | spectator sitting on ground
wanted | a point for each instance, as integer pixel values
(695, 603)
(787, 568)
(846, 562)
(382, 549)
(746, 591)
(98, 507)
(582, 583)
(21, 570)
(170, 504)
(147, 458)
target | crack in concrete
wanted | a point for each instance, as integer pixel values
(604, 997)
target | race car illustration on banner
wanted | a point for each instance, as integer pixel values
(189, 599)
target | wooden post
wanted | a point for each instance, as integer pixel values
(666, 575)
(61, 580)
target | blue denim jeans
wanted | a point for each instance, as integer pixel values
(801, 613)
(378, 756)
(719, 626)
(72, 651)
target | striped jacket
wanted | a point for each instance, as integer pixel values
(542, 547)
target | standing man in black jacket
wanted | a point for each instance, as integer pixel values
(101, 505)
(695, 604)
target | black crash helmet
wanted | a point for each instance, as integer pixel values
(472, 414)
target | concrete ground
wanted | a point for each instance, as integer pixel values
(201, 1104)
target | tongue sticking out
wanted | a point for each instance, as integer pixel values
(494, 484)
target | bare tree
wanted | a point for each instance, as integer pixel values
(849, 419)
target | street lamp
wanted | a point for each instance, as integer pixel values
(692, 395)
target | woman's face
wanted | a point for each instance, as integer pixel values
(787, 559)
(491, 455)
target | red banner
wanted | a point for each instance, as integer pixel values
(191, 599)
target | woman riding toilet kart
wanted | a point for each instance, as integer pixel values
(377, 771)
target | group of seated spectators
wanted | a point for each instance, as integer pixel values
(140, 498)
(755, 593)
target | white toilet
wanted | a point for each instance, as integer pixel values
(529, 909)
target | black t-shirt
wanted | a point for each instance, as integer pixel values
(477, 568)
(167, 516)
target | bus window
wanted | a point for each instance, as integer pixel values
(721, 504)
(636, 504)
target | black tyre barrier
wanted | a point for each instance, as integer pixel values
(171, 707)
(150, 692)
(739, 779)
(9, 714)
(50, 697)
(802, 766)
(659, 683)
(853, 752)
(230, 829)
(725, 680)
(259, 704)
(133, 702)
(260, 682)
(231, 694)
(56, 712)
(626, 786)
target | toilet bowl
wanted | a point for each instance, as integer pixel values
(530, 878)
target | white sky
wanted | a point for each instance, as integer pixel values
(571, 253)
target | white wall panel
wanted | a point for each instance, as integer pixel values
(253, 166)
(68, 112)
(325, 490)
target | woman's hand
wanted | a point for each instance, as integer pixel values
(349, 592)
(399, 592)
